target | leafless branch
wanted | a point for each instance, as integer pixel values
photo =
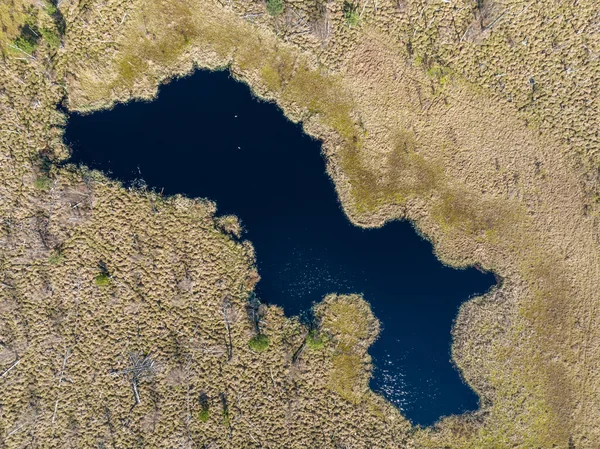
(15, 363)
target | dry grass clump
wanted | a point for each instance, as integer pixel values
(230, 224)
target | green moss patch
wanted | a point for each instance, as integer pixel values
(259, 342)
(102, 280)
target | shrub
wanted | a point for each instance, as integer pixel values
(274, 7)
(204, 414)
(314, 340)
(56, 258)
(351, 14)
(259, 342)
(50, 8)
(226, 417)
(102, 280)
(25, 45)
(28, 39)
(43, 183)
(51, 37)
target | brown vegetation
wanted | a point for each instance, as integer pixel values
(456, 115)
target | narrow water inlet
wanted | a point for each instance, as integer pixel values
(207, 136)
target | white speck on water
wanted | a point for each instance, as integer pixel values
(316, 271)
(392, 382)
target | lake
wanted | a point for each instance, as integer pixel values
(207, 136)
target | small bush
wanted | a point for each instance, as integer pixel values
(51, 37)
(50, 8)
(56, 258)
(24, 45)
(226, 417)
(28, 39)
(274, 7)
(203, 415)
(351, 14)
(102, 280)
(259, 342)
(314, 340)
(43, 183)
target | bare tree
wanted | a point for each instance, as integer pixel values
(228, 317)
(140, 367)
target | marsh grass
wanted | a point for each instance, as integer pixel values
(550, 314)
(322, 94)
(347, 369)
(459, 208)
(407, 175)
(161, 40)
(352, 327)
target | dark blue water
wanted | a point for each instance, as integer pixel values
(206, 136)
